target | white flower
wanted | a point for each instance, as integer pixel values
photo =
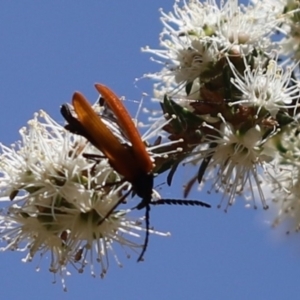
(198, 34)
(267, 88)
(221, 67)
(237, 159)
(277, 5)
(285, 181)
(61, 204)
(289, 28)
(285, 196)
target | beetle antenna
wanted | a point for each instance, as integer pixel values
(181, 202)
(161, 202)
(147, 220)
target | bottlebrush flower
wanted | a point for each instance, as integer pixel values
(231, 93)
(56, 202)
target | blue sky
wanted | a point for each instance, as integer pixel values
(48, 50)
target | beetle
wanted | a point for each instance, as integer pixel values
(132, 162)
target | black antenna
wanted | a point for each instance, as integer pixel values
(181, 202)
(163, 202)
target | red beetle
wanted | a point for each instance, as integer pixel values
(133, 163)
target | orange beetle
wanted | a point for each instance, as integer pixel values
(133, 163)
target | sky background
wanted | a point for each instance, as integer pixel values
(48, 50)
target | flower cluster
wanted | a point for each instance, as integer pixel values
(63, 203)
(229, 97)
(230, 75)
